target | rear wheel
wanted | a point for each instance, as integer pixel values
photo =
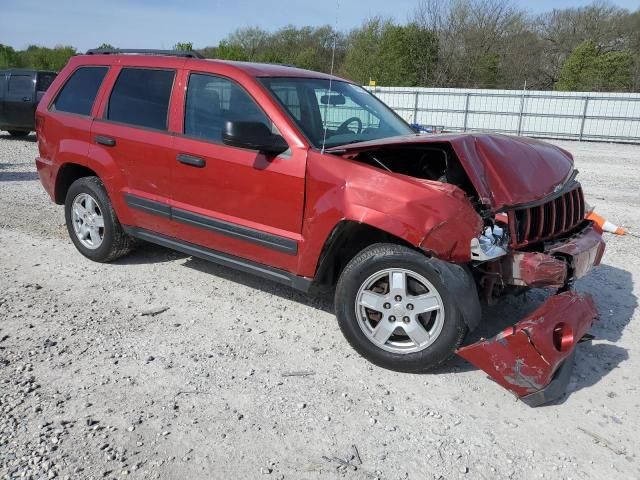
(18, 133)
(395, 310)
(92, 222)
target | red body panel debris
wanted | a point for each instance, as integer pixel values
(523, 358)
(535, 270)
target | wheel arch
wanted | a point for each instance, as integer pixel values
(104, 169)
(345, 241)
(67, 174)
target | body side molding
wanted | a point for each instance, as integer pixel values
(267, 240)
(148, 206)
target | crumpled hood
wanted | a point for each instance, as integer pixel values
(505, 170)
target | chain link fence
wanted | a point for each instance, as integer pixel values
(613, 117)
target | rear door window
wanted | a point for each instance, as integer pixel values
(79, 93)
(141, 98)
(20, 84)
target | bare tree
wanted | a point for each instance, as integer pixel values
(473, 36)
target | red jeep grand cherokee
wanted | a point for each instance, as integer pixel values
(309, 180)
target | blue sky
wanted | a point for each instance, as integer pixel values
(161, 23)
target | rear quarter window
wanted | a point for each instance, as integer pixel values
(79, 93)
(141, 98)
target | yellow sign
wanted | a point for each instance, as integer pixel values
(372, 83)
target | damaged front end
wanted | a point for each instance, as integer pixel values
(522, 226)
(534, 358)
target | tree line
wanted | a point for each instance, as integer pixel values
(455, 43)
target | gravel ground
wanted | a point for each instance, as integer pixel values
(95, 383)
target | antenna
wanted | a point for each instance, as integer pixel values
(333, 58)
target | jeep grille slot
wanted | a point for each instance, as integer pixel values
(547, 220)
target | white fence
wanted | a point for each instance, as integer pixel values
(572, 115)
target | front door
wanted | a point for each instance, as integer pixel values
(234, 200)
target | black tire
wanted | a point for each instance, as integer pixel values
(379, 257)
(18, 133)
(115, 242)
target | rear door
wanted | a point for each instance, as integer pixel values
(20, 101)
(133, 133)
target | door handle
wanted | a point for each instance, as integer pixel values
(106, 141)
(191, 160)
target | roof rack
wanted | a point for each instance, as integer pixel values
(116, 51)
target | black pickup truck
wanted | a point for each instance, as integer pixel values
(20, 92)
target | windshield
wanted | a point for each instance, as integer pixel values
(349, 113)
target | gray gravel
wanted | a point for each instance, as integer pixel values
(242, 378)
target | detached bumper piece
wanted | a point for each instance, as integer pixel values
(534, 358)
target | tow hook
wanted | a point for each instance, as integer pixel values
(534, 358)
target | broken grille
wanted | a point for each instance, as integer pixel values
(548, 220)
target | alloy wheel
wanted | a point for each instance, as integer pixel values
(399, 311)
(88, 222)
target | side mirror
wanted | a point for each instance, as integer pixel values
(254, 136)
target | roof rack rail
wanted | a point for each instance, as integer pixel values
(116, 51)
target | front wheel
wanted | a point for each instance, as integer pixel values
(395, 310)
